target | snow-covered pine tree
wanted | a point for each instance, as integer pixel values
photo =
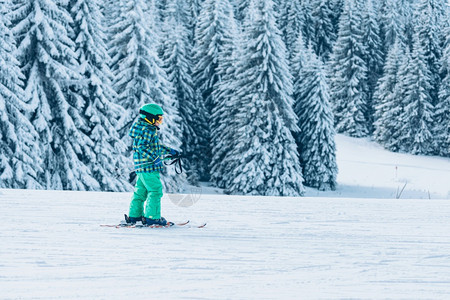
(19, 152)
(406, 12)
(315, 140)
(293, 19)
(391, 23)
(194, 7)
(10, 87)
(211, 30)
(373, 55)
(181, 9)
(139, 76)
(298, 57)
(445, 18)
(155, 23)
(402, 89)
(211, 33)
(110, 9)
(49, 63)
(223, 117)
(323, 35)
(417, 116)
(241, 10)
(276, 6)
(264, 151)
(178, 66)
(388, 101)
(348, 77)
(442, 112)
(179, 19)
(428, 14)
(104, 150)
(336, 8)
(160, 6)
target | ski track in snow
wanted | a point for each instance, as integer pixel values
(52, 247)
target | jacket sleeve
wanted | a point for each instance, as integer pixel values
(148, 146)
(165, 150)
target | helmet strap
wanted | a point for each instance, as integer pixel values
(153, 124)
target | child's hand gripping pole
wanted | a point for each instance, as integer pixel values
(176, 160)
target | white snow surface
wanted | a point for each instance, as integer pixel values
(366, 170)
(358, 242)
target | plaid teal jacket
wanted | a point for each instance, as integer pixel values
(146, 147)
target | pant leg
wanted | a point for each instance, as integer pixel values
(139, 196)
(152, 182)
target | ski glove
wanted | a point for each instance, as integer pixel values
(174, 152)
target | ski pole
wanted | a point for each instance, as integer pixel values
(176, 161)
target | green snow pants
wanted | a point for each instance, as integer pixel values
(148, 187)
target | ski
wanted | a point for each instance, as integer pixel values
(140, 225)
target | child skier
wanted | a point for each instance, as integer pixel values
(147, 161)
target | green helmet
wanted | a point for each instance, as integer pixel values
(150, 109)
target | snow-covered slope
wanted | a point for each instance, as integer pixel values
(366, 170)
(345, 245)
(52, 247)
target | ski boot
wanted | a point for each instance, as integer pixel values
(133, 220)
(157, 222)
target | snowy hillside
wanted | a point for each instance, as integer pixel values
(332, 246)
(366, 170)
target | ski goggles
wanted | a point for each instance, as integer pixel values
(152, 118)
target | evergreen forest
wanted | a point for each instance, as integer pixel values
(254, 91)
